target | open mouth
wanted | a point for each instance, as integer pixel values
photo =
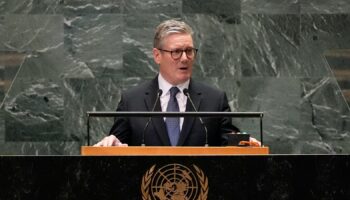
(183, 68)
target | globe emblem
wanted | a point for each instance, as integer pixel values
(174, 182)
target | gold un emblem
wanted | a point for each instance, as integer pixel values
(174, 182)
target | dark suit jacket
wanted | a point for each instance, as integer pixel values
(141, 98)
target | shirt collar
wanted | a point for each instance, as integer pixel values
(165, 85)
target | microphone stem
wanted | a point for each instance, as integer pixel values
(200, 118)
(159, 93)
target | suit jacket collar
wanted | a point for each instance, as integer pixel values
(157, 122)
(196, 96)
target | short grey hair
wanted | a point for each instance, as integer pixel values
(169, 27)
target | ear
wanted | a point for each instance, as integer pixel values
(156, 56)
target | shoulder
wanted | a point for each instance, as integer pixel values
(212, 98)
(140, 89)
(205, 88)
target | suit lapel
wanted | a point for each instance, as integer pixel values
(157, 122)
(196, 96)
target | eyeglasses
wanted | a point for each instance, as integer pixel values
(177, 53)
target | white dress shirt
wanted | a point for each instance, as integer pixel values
(180, 96)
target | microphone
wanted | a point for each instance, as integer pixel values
(185, 91)
(159, 93)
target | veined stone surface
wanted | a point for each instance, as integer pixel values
(62, 58)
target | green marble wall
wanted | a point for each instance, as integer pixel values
(62, 58)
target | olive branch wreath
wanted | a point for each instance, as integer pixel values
(146, 180)
(203, 180)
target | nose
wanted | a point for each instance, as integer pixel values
(184, 57)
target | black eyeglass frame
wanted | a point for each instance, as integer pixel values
(182, 51)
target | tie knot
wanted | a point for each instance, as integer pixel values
(174, 91)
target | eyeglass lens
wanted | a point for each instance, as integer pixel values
(190, 53)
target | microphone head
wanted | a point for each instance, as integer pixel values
(160, 92)
(185, 91)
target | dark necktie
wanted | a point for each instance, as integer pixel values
(173, 123)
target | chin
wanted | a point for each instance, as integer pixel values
(183, 79)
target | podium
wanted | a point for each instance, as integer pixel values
(229, 177)
(172, 151)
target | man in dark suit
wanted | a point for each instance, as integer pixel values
(142, 98)
(175, 54)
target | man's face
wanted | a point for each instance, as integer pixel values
(175, 71)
